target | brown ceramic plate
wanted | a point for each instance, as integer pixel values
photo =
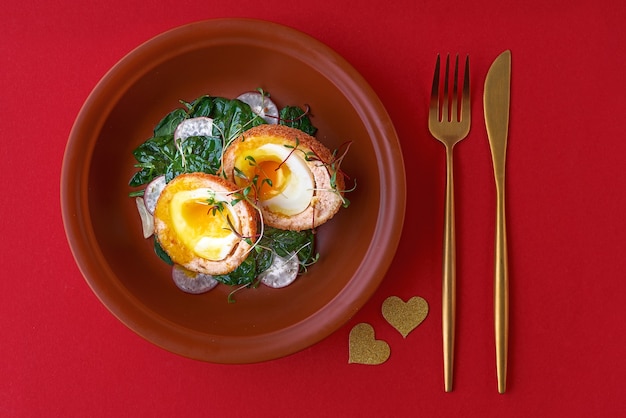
(226, 57)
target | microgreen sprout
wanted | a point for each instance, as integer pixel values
(333, 166)
(243, 194)
(293, 149)
(231, 295)
(179, 148)
(264, 94)
(252, 163)
(226, 142)
(303, 264)
(214, 204)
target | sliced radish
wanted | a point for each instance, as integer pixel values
(152, 193)
(200, 126)
(192, 282)
(262, 105)
(282, 272)
(147, 220)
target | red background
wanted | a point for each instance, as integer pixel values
(63, 354)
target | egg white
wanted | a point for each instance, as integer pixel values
(297, 193)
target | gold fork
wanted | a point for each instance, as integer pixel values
(449, 125)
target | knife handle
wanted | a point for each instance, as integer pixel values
(449, 276)
(501, 292)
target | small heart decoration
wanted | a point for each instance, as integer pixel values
(405, 316)
(365, 348)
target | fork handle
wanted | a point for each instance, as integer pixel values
(501, 292)
(449, 276)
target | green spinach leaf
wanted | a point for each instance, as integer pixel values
(284, 242)
(232, 117)
(294, 117)
(273, 241)
(168, 124)
(242, 275)
(158, 249)
(159, 155)
(202, 106)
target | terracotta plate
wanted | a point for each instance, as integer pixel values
(225, 58)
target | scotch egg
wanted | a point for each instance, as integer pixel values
(290, 174)
(199, 226)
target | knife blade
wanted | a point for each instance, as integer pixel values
(496, 102)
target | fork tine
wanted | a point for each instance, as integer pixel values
(465, 104)
(455, 92)
(445, 102)
(434, 94)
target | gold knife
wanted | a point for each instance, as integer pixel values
(496, 102)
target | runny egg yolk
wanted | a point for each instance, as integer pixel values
(205, 219)
(272, 177)
(203, 224)
(284, 182)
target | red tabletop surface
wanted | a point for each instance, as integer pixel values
(63, 354)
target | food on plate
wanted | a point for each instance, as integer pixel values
(152, 193)
(147, 220)
(198, 126)
(201, 226)
(295, 178)
(231, 191)
(261, 104)
(282, 272)
(191, 139)
(192, 282)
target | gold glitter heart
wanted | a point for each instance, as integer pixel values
(365, 348)
(405, 317)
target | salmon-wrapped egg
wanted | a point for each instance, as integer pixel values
(199, 226)
(290, 174)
